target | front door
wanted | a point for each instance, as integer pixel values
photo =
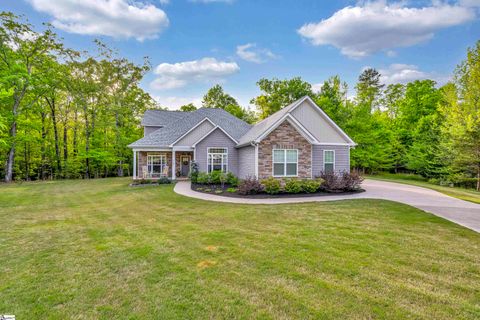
(185, 165)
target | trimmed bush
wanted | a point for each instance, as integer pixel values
(293, 186)
(232, 180)
(250, 185)
(215, 177)
(164, 180)
(203, 178)
(271, 185)
(311, 186)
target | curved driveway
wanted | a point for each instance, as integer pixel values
(461, 212)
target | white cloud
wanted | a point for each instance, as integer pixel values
(212, 1)
(174, 103)
(316, 87)
(404, 73)
(370, 27)
(177, 75)
(470, 3)
(115, 18)
(250, 52)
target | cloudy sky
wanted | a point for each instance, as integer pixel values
(193, 44)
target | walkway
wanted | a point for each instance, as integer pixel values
(461, 212)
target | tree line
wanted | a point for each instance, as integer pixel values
(63, 113)
(69, 114)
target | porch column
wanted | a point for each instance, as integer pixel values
(173, 165)
(134, 164)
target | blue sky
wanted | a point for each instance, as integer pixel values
(193, 44)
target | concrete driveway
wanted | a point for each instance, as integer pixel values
(461, 212)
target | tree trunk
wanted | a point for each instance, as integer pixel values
(44, 135)
(478, 177)
(117, 132)
(65, 147)
(75, 148)
(87, 141)
(51, 103)
(13, 134)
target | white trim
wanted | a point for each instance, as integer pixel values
(195, 154)
(311, 161)
(174, 169)
(284, 164)
(334, 156)
(209, 132)
(182, 148)
(163, 162)
(134, 164)
(256, 161)
(292, 118)
(208, 153)
(329, 120)
(297, 125)
(152, 149)
(191, 129)
(334, 144)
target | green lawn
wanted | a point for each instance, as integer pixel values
(101, 249)
(460, 193)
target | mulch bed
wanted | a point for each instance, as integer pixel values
(217, 190)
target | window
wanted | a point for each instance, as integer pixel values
(217, 159)
(155, 164)
(285, 162)
(328, 161)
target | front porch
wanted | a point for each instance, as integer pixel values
(158, 164)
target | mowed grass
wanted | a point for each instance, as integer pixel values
(102, 250)
(460, 193)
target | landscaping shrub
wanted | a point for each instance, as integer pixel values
(250, 185)
(351, 181)
(215, 177)
(333, 182)
(293, 186)
(203, 178)
(141, 181)
(271, 185)
(232, 190)
(232, 180)
(164, 180)
(311, 186)
(194, 172)
(223, 179)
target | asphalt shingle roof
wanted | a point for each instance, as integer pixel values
(175, 128)
(158, 118)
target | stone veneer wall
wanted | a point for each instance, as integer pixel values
(285, 136)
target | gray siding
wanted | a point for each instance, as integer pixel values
(149, 129)
(316, 124)
(196, 134)
(342, 158)
(217, 139)
(246, 162)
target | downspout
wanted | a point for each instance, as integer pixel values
(255, 145)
